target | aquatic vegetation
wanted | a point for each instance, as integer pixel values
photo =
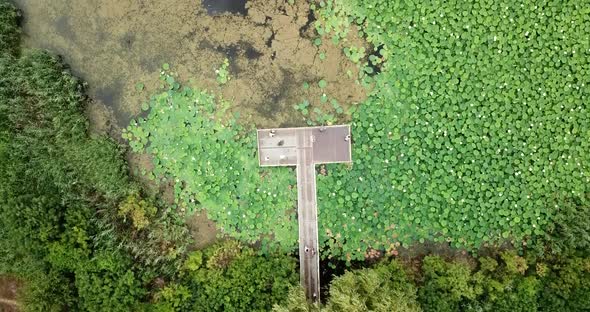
(333, 20)
(354, 54)
(198, 147)
(303, 107)
(317, 116)
(139, 86)
(223, 73)
(476, 133)
(471, 145)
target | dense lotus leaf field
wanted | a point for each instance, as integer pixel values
(478, 128)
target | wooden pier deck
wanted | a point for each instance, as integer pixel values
(304, 148)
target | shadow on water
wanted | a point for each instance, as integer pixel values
(233, 52)
(330, 269)
(110, 96)
(64, 27)
(376, 66)
(217, 7)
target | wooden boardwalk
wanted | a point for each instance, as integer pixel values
(309, 258)
(304, 148)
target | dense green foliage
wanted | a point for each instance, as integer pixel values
(567, 287)
(477, 130)
(496, 287)
(384, 288)
(9, 31)
(509, 283)
(60, 191)
(570, 231)
(230, 277)
(213, 162)
(506, 283)
(53, 180)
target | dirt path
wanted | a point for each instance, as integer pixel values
(8, 291)
(9, 302)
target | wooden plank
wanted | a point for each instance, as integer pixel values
(331, 144)
(304, 148)
(309, 259)
(274, 157)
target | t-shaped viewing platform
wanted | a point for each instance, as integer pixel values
(304, 148)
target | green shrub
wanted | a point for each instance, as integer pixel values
(159, 246)
(48, 291)
(9, 30)
(505, 285)
(570, 233)
(108, 283)
(384, 288)
(567, 286)
(60, 190)
(446, 286)
(233, 278)
(172, 298)
(139, 211)
(296, 302)
(497, 286)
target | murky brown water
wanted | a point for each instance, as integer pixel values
(114, 44)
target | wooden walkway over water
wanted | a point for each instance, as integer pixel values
(304, 148)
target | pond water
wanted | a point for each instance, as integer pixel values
(115, 44)
(215, 7)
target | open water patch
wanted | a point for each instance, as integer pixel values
(218, 7)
